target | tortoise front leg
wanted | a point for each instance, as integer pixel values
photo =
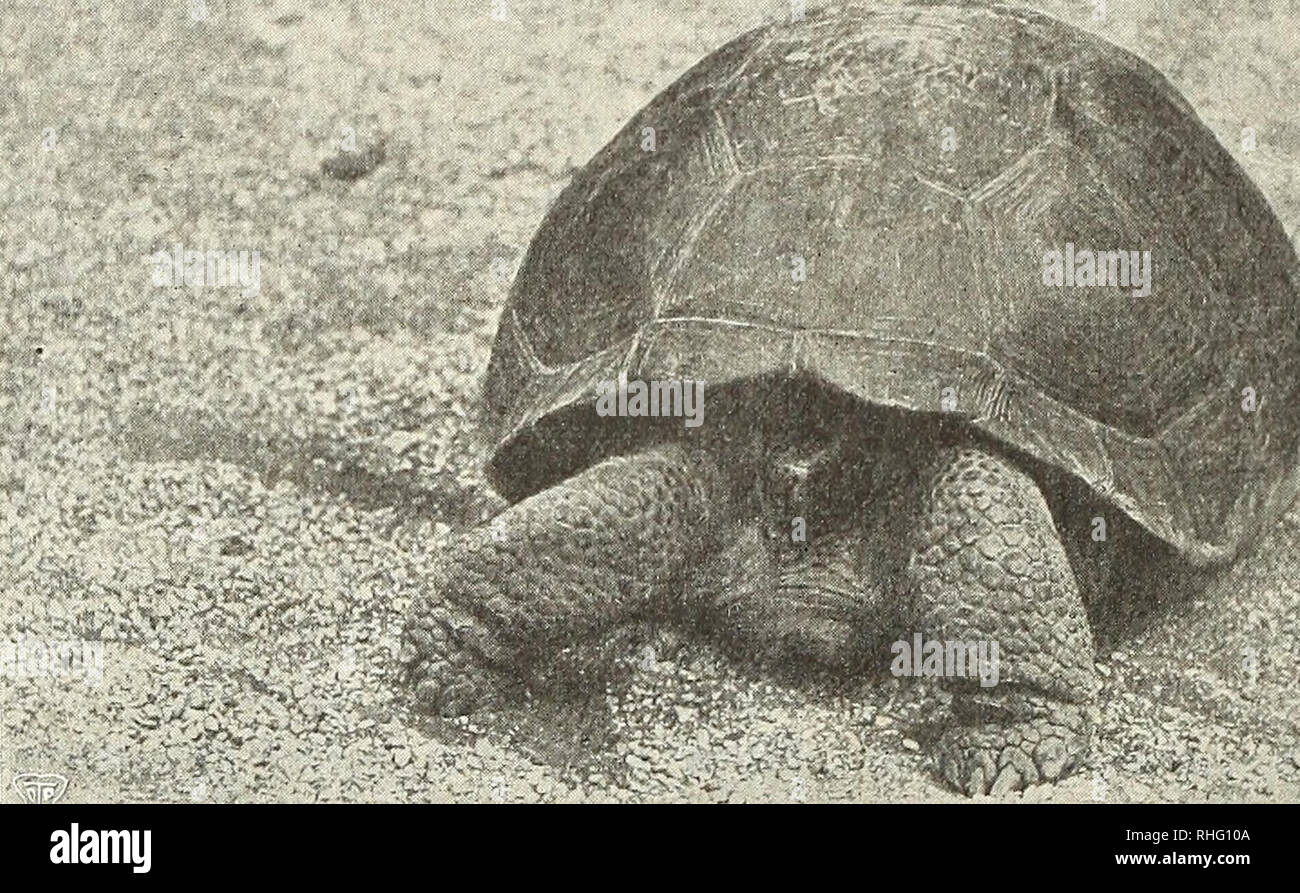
(988, 565)
(579, 557)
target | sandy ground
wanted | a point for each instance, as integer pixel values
(237, 495)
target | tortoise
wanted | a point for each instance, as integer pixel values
(843, 226)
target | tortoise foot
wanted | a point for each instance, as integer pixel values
(1046, 742)
(447, 656)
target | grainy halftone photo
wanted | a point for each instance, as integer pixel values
(649, 401)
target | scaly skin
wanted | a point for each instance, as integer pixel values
(619, 539)
(591, 552)
(988, 565)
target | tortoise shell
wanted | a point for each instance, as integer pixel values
(919, 165)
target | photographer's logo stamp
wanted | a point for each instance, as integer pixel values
(40, 787)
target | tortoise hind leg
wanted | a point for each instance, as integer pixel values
(988, 566)
(590, 552)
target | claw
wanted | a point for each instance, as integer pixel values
(1008, 780)
(998, 758)
(444, 650)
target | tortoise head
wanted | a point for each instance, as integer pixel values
(807, 564)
